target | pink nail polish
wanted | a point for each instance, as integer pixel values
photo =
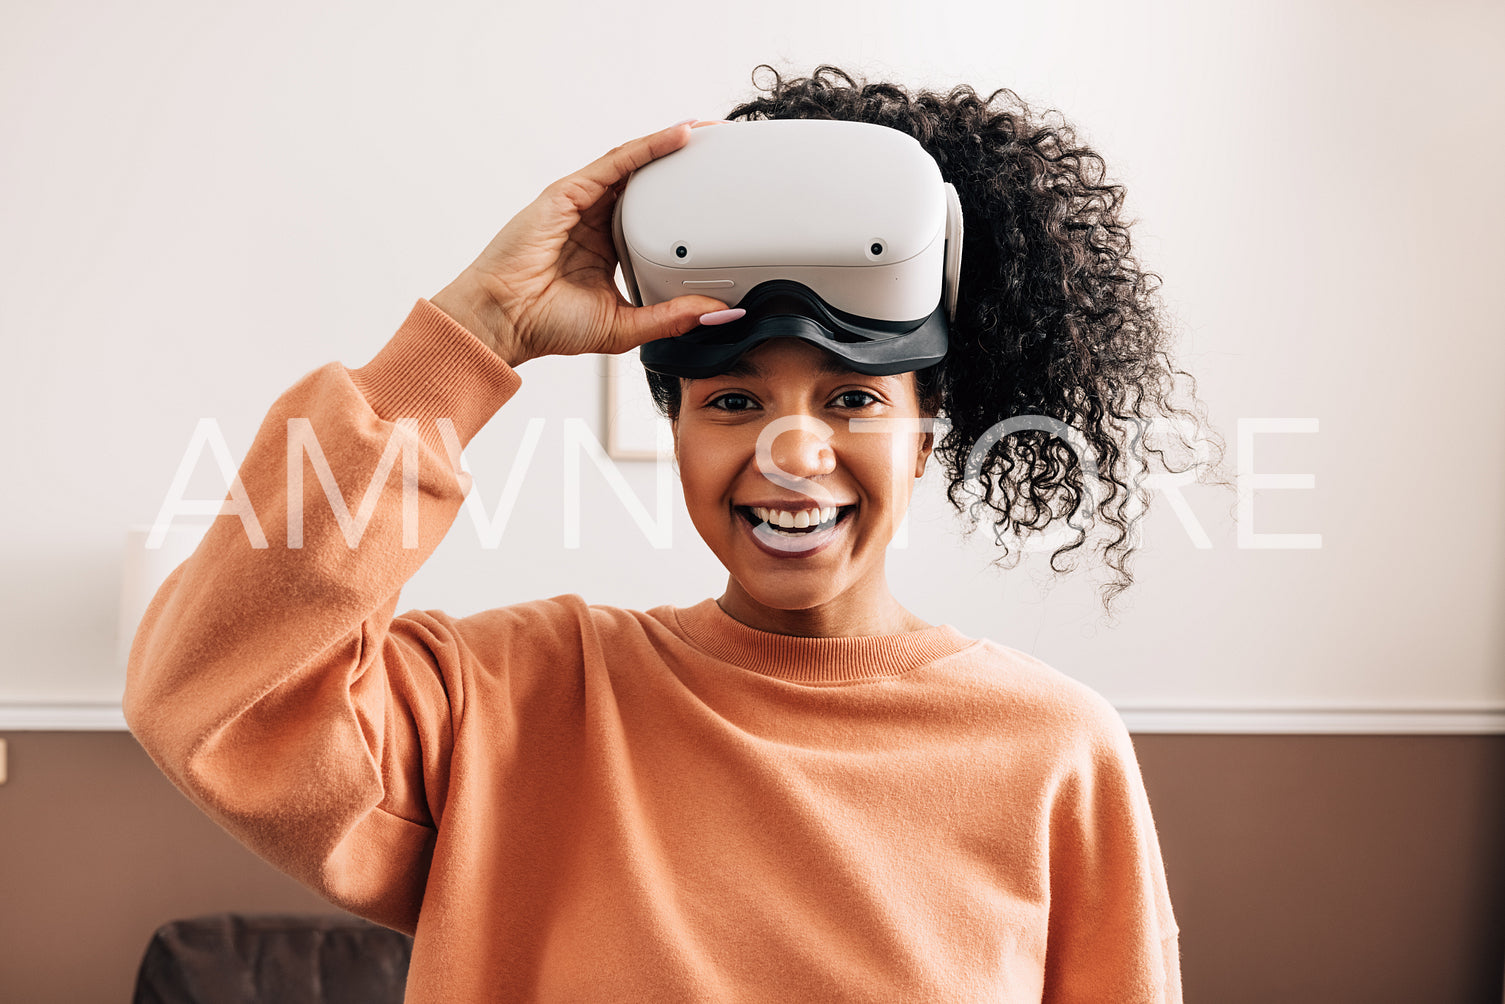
(722, 316)
(681, 122)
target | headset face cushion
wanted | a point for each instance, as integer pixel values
(783, 309)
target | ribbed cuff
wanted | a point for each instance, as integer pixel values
(433, 368)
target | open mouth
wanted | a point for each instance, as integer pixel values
(794, 524)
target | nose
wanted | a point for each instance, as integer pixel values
(795, 447)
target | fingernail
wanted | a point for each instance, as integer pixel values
(722, 316)
(687, 121)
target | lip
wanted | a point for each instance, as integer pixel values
(779, 546)
(792, 505)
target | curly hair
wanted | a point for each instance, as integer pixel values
(1055, 320)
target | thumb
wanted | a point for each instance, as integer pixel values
(635, 325)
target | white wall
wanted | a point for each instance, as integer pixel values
(202, 202)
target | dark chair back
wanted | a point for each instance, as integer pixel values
(232, 958)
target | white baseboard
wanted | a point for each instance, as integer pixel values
(1230, 719)
(1311, 719)
(70, 716)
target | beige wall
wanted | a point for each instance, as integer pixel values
(1304, 870)
(202, 202)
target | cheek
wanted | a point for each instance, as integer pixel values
(705, 473)
(883, 465)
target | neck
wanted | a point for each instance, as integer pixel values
(875, 615)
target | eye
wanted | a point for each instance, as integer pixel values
(731, 402)
(855, 399)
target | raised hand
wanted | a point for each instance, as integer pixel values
(544, 285)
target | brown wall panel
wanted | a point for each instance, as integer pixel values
(97, 848)
(1304, 869)
(1334, 869)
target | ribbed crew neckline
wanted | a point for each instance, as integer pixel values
(814, 660)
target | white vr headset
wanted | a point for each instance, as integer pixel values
(838, 233)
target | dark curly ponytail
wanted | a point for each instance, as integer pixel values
(1057, 325)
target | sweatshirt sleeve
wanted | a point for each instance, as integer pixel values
(1112, 933)
(269, 679)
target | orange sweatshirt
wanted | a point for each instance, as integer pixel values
(564, 802)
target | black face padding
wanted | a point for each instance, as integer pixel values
(782, 308)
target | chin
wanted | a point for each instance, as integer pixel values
(796, 598)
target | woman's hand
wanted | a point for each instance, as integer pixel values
(544, 284)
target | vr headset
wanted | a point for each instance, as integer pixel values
(838, 233)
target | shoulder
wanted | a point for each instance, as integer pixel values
(536, 652)
(563, 622)
(1054, 707)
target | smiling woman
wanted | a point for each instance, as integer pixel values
(795, 791)
(804, 547)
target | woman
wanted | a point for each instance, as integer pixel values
(797, 791)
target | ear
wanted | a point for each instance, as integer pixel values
(927, 446)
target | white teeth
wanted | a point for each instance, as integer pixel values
(795, 520)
